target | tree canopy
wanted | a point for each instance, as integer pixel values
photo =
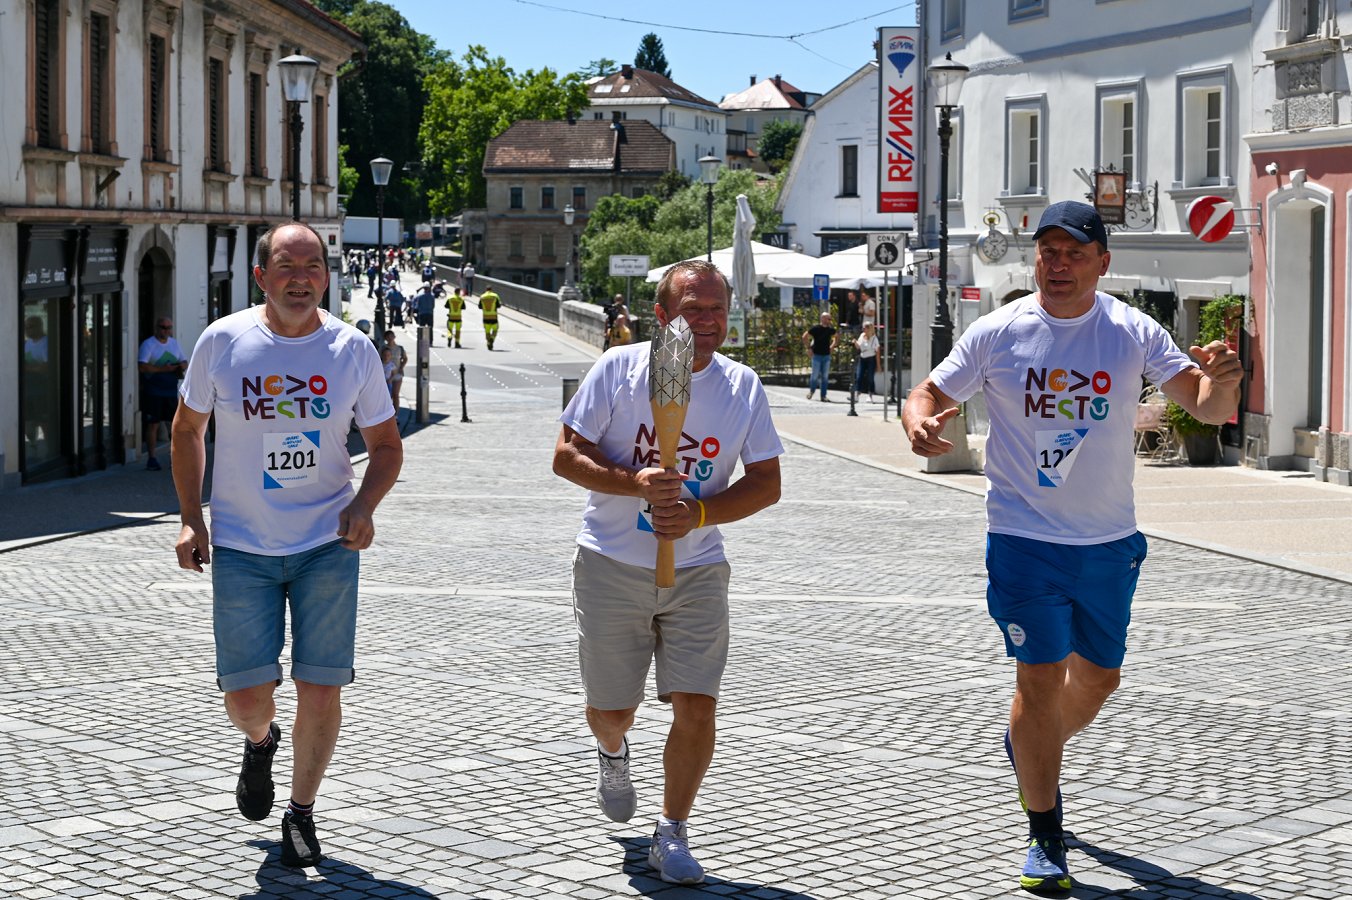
(669, 231)
(651, 57)
(777, 143)
(472, 101)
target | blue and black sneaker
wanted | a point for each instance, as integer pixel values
(1045, 870)
(1009, 751)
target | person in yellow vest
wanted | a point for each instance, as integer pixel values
(455, 305)
(488, 305)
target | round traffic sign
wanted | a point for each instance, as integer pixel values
(886, 253)
(1211, 218)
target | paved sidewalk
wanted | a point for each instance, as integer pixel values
(860, 729)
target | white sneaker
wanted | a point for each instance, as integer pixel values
(614, 792)
(670, 856)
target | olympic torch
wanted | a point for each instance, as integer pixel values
(673, 356)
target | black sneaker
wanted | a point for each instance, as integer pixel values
(253, 791)
(300, 847)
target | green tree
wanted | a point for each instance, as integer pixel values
(669, 231)
(348, 176)
(472, 101)
(651, 57)
(778, 141)
(380, 99)
(599, 67)
(670, 184)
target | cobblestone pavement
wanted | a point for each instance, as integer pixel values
(860, 731)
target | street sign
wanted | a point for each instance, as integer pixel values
(629, 265)
(885, 250)
(1211, 218)
(821, 287)
(778, 239)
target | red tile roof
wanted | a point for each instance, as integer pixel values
(587, 145)
(631, 83)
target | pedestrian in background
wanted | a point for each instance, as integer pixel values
(161, 363)
(285, 523)
(1061, 373)
(488, 306)
(455, 308)
(821, 340)
(467, 278)
(624, 621)
(867, 344)
(424, 304)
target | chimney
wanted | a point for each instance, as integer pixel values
(776, 81)
(572, 119)
(753, 81)
(627, 71)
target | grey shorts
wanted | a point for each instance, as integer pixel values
(624, 621)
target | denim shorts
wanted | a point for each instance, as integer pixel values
(1052, 599)
(249, 615)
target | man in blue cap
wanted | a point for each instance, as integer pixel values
(1061, 372)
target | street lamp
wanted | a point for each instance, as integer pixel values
(298, 75)
(946, 78)
(380, 174)
(708, 174)
(414, 167)
(569, 290)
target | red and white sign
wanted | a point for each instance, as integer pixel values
(899, 120)
(1211, 218)
(971, 293)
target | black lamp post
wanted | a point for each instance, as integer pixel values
(380, 174)
(708, 174)
(414, 168)
(298, 75)
(569, 290)
(946, 77)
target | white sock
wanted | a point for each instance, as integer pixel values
(669, 824)
(624, 749)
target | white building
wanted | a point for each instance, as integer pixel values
(749, 111)
(696, 126)
(1158, 90)
(152, 152)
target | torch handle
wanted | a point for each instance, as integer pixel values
(668, 419)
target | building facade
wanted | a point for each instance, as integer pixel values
(696, 127)
(1299, 409)
(535, 169)
(749, 111)
(153, 150)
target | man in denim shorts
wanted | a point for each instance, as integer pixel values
(1061, 371)
(285, 381)
(624, 621)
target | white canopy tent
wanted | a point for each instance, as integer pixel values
(768, 261)
(846, 269)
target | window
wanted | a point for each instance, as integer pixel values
(99, 106)
(1119, 138)
(951, 21)
(216, 123)
(1023, 174)
(47, 86)
(157, 115)
(1026, 9)
(638, 192)
(547, 197)
(1203, 111)
(579, 197)
(516, 198)
(514, 246)
(849, 170)
(320, 141)
(955, 158)
(254, 115)
(546, 246)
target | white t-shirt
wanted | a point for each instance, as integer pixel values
(728, 419)
(160, 353)
(870, 311)
(1062, 395)
(868, 345)
(283, 410)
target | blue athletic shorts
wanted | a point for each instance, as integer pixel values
(1052, 599)
(249, 615)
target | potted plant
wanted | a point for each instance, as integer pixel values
(1197, 438)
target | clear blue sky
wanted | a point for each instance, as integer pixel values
(566, 34)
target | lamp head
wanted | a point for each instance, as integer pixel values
(708, 169)
(298, 76)
(946, 78)
(569, 214)
(380, 170)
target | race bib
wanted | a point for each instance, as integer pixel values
(290, 460)
(1056, 455)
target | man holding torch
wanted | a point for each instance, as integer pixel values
(616, 432)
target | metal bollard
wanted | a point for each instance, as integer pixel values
(464, 396)
(569, 389)
(424, 373)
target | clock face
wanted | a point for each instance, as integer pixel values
(992, 246)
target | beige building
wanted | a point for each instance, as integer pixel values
(749, 111)
(535, 169)
(696, 126)
(153, 150)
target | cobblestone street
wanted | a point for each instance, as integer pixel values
(860, 728)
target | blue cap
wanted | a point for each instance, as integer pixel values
(1080, 220)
